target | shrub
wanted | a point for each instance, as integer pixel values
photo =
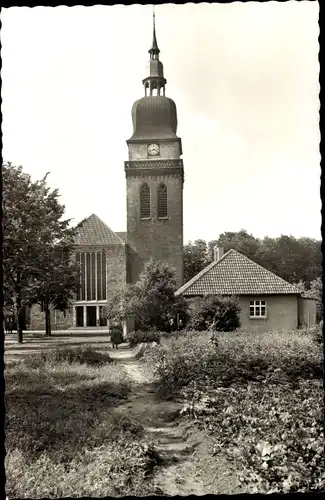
(218, 313)
(242, 357)
(114, 469)
(274, 433)
(140, 336)
(180, 363)
(82, 355)
(317, 333)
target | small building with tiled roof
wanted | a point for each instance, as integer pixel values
(267, 301)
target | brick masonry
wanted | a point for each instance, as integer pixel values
(160, 238)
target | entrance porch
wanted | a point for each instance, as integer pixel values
(88, 316)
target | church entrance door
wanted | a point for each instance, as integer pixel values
(91, 315)
(79, 316)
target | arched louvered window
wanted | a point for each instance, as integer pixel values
(144, 201)
(162, 201)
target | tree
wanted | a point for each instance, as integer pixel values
(196, 258)
(151, 300)
(37, 245)
(291, 258)
(57, 280)
(241, 241)
(216, 313)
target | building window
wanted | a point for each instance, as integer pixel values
(92, 276)
(99, 276)
(79, 264)
(83, 277)
(145, 201)
(162, 201)
(257, 309)
(103, 276)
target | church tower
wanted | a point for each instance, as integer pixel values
(154, 177)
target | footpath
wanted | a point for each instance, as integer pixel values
(188, 468)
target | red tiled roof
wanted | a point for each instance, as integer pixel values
(236, 274)
(93, 231)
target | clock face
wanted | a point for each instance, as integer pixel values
(153, 149)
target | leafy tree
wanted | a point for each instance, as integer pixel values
(196, 258)
(216, 313)
(151, 300)
(291, 258)
(241, 241)
(36, 247)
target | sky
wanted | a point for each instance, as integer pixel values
(245, 80)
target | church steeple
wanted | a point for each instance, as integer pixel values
(154, 51)
(154, 84)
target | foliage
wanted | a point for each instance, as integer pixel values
(219, 313)
(63, 437)
(83, 355)
(293, 259)
(315, 332)
(274, 432)
(37, 245)
(196, 258)
(151, 300)
(239, 357)
(140, 336)
(114, 469)
(259, 396)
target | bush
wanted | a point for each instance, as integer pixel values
(217, 313)
(180, 363)
(82, 355)
(238, 356)
(114, 469)
(274, 433)
(143, 336)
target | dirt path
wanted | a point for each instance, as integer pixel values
(188, 468)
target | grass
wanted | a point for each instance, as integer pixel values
(65, 435)
(258, 396)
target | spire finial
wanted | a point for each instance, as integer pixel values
(154, 49)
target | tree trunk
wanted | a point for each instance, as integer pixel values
(20, 320)
(47, 322)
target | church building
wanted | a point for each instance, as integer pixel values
(154, 177)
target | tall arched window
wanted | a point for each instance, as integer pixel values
(144, 201)
(162, 201)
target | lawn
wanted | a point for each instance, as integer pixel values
(65, 435)
(259, 397)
